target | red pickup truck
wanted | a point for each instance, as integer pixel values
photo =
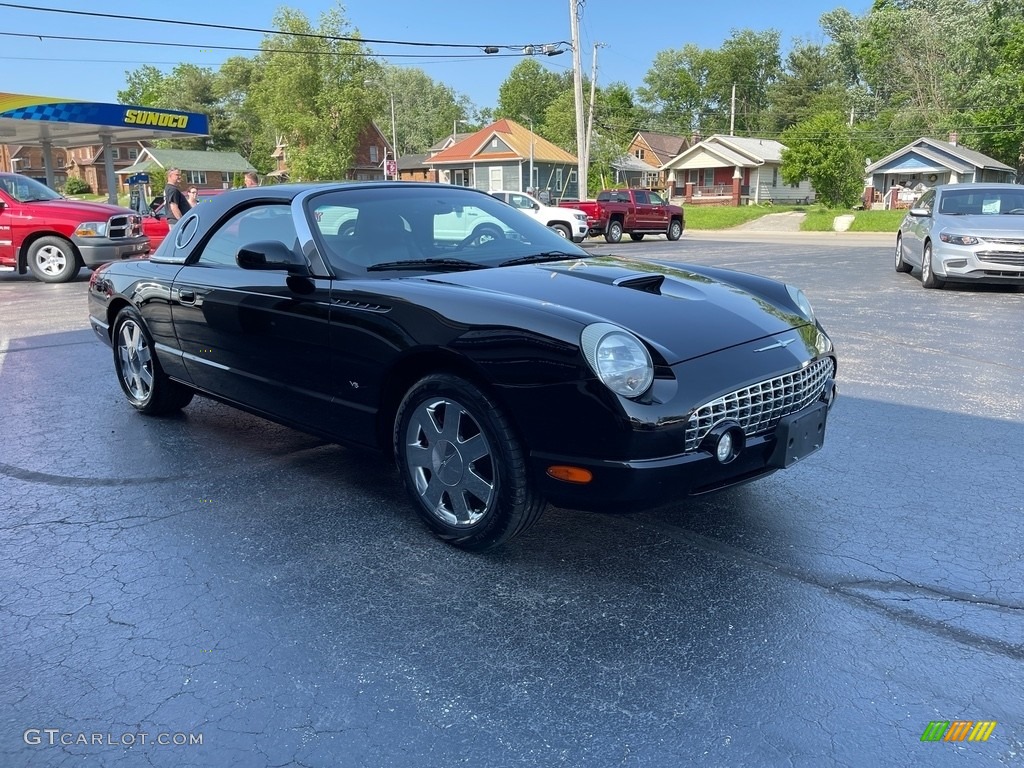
(52, 237)
(636, 212)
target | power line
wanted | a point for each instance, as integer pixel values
(204, 46)
(234, 28)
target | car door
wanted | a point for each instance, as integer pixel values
(659, 211)
(6, 233)
(257, 337)
(642, 210)
(918, 229)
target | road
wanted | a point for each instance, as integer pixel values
(215, 574)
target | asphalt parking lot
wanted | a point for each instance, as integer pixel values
(214, 577)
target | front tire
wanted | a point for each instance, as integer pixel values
(928, 277)
(53, 260)
(901, 265)
(462, 465)
(561, 230)
(614, 232)
(675, 230)
(148, 389)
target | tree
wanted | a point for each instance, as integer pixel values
(425, 110)
(821, 149)
(145, 87)
(810, 82)
(675, 88)
(313, 91)
(750, 62)
(528, 92)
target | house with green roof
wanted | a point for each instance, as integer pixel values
(208, 170)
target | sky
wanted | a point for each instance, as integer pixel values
(89, 70)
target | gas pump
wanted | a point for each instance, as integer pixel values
(137, 192)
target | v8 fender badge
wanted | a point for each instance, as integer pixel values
(776, 345)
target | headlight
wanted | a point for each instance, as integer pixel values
(619, 359)
(946, 237)
(92, 229)
(801, 301)
(580, 216)
(823, 343)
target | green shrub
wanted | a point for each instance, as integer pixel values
(76, 186)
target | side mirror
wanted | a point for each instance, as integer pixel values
(919, 212)
(271, 255)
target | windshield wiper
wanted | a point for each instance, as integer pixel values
(440, 264)
(538, 257)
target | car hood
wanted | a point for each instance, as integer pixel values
(986, 225)
(100, 211)
(681, 312)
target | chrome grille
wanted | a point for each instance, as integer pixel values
(124, 226)
(1005, 240)
(1002, 257)
(759, 407)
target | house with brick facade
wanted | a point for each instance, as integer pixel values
(373, 151)
(653, 150)
(28, 160)
(199, 168)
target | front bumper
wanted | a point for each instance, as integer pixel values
(101, 250)
(983, 263)
(648, 482)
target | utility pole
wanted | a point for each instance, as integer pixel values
(576, 8)
(732, 112)
(394, 135)
(851, 116)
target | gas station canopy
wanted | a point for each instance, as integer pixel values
(54, 122)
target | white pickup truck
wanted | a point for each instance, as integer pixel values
(570, 224)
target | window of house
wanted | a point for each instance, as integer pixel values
(196, 177)
(775, 177)
(640, 154)
(60, 162)
(494, 143)
(373, 154)
(558, 179)
(709, 177)
(115, 153)
(133, 154)
(494, 179)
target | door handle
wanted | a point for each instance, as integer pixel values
(186, 296)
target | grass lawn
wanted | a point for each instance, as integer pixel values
(724, 216)
(821, 220)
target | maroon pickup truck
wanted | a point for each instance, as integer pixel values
(636, 212)
(53, 237)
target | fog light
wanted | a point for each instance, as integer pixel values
(724, 450)
(725, 441)
(956, 263)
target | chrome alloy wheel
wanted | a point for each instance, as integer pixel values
(136, 360)
(450, 461)
(51, 260)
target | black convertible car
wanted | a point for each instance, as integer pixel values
(502, 365)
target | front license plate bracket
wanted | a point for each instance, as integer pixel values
(798, 436)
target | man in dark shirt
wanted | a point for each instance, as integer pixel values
(175, 203)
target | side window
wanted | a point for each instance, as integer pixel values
(926, 201)
(518, 201)
(656, 199)
(264, 222)
(641, 197)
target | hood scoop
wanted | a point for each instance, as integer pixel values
(645, 283)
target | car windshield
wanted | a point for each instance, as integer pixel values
(982, 201)
(26, 190)
(427, 228)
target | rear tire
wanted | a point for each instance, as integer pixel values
(462, 465)
(53, 260)
(614, 232)
(148, 389)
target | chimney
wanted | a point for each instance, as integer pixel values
(953, 137)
